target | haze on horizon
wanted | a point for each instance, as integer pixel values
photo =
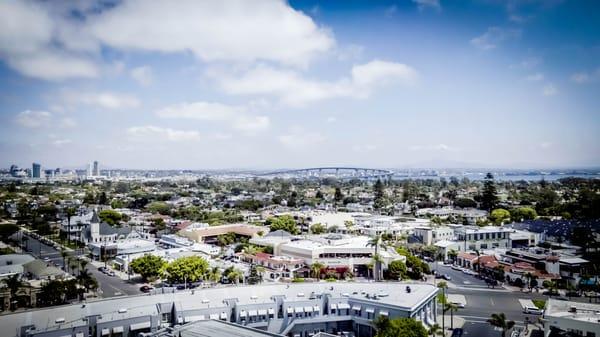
(273, 84)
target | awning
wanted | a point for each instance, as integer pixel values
(298, 309)
(383, 313)
(316, 308)
(290, 310)
(243, 313)
(333, 306)
(271, 311)
(223, 315)
(141, 325)
(194, 318)
(118, 329)
(214, 316)
(105, 332)
(262, 312)
(252, 312)
(308, 309)
(343, 306)
(356, 308)
(370, 310)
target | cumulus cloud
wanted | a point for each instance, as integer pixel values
(215, 30)
(143, 75)
(428, 4)
(29, 42)
(156, 133)
(33, 118)
(67, 122)
(495, 36)
(293, 89)
(105, 100)
(236, 116)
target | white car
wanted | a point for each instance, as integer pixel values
(533, 310)
(459, 304)
(456, 267)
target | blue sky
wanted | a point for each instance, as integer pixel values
(267, 84)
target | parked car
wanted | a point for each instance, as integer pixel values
(447, 277)
(112, 273)
(459, 304)
(102, 269)
(533, 310)
(146, 288)
(572, 294)
(458, 332)
(455, 267)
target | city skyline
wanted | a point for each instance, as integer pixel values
(300, 84)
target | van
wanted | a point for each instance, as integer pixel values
(533, 310)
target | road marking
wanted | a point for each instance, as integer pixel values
(492, 300)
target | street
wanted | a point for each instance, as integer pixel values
(109, 286)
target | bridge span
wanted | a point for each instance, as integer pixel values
(340, 172)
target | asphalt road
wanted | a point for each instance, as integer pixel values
(459, 278)
(110, 286)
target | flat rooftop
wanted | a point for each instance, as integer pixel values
(585, 312)
(139, 305)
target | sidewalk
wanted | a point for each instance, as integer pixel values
(458, 322)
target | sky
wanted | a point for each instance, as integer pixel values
(273, 84)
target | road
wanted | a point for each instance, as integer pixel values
(110, 286)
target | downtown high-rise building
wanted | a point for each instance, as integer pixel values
(96, 169)
(36, 170)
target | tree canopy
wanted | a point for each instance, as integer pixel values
(148, 266)
(190, 269)
(405, 327)
(110, 216)
(284, 222)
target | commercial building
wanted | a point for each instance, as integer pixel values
(36, 170)
(203, 232)
(289, 310)
(472, 238)
(566, 318)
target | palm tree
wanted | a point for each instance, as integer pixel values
(214, 274)
(260, 270)
(499, 320)
(377, 260)
(375, 241)
(315, 269)
(452, 308)
(13, 283)
(435, 330)
(64, 255)
(70, 211)
(370, 267)
(235, 276)
(442, 299)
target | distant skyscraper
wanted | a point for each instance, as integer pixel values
(36, 170)
(96, 169)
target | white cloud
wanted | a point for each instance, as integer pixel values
(535, 77)
(28, 43)
(293, 89)
(298, 139)
(215, 30)
(425, 4)
(156, 133)
(494, 36)
(33, 118)
(586, 77)
(549, 90)
(437, 147)
(67, 123)
(106, 100)
(236, 116)
(61, 142)
(143, 75)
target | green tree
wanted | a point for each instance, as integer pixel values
(234, 275)
(500, 321)
(190, 269)
(397, 270)
(148, 266)
(284, 222)
(7, 230)
(489, 196)
(435, 330)
(525, 213)
(317, 229)
(159, 207)
(379, 201)
(110, 216)
(405, 327)
(499, 215)
(338, 195)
